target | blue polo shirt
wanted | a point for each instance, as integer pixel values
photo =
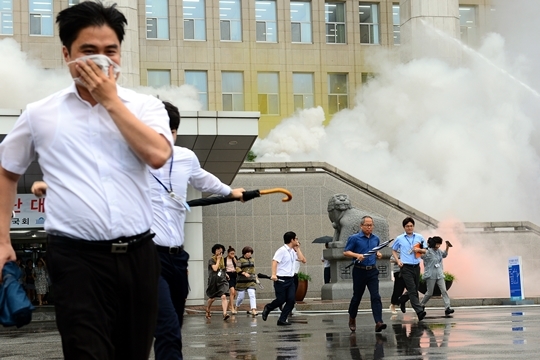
(361, 244)
(404, 243)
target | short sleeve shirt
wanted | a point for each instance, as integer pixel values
(361, 244)
(286, 258)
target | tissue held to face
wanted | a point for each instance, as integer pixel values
(102, 61)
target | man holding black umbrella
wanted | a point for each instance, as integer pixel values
(169, 190)
(365, 272)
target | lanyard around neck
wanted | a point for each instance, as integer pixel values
(411, 243)
(170, 189)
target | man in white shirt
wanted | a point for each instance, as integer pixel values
(283, 266)
(169, 190)
(93, 141)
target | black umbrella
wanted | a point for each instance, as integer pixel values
(322, 240)
(246, 196)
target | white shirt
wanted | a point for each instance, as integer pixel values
(286, 258)
(170, 213)
(297, 266)
(98, 187)
(326, 263)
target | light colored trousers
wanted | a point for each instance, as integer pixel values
(252, 298)
(430, 284)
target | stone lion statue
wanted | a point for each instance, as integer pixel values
(346, 220)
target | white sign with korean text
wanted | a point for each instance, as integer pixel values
(29, 212)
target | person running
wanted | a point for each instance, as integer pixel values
(93, 141)
(399, 285)
(410, 246)
(434, 272)
(230, 267)
(218, 286)
(365, 272)
(247, 280)
(283, 265)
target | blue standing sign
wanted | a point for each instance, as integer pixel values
(516, 279)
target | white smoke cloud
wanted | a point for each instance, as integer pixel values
(449, 141)
(185, 97)
(24, 80)
(298, 136)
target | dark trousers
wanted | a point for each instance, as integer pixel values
(411, 278)
(327, 275)
(361, 279)
(173, 291)
(399, 287)
(106, 304)
(285, 294)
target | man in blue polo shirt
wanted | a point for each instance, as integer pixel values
(409, 244)
(365, 272)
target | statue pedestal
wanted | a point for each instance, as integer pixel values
(341, 286)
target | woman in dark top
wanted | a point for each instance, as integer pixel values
(218, 286)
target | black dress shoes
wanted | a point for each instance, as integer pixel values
(352, 324)
(402, 306)
(380, 326)
(448, 311)
(265, 312)
(421, 315)
(283, 323)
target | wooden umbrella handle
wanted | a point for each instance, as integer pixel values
(278, 190)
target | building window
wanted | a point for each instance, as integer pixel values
(41, 17)
(467, 24)
(159, 78)
(301, 21)
(6, 17)
(232, 90)
(199, 79)
(303, 90)
(268, 90)
(230, 21)
(397, 24)
(337, 93)
(266, 20)
(194, 20)
(369, 23)
(334, 14)
(74, 2)
(157, 19)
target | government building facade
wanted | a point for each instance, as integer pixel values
(270, 56)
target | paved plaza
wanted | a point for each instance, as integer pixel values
(500, 332)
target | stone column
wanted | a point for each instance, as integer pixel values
(130, 75)
(193, 243)
(430, 28)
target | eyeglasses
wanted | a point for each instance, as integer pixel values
(367, 225)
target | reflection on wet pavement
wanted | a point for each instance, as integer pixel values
(485, 333)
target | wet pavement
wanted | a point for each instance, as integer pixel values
(498, 332)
